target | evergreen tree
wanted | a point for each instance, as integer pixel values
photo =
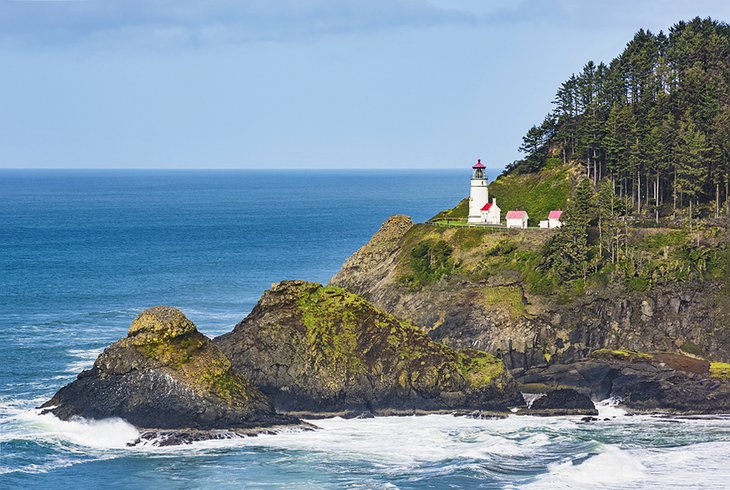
(691, 170)
(655, 119)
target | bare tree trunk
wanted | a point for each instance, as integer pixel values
(717, 200)
(674, 195)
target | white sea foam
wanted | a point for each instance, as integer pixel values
(566, 450)
(696, 466)
(112, 433)
(610, 408)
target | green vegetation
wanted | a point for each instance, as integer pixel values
(655, 121)
(537, 193)
(430, 260)
(596, 245)
(332, 317)
(479, 368)
(637, 154)
(344, 331)
(165, 336)
(459, 213)
(508, 297)
(720, 370)
(621, 354)
(429, 253)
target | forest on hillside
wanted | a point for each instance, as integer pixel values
(654, 122)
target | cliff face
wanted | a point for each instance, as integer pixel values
(482, 296)
(166, 375)
(319, 350)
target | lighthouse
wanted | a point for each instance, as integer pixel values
(479, 195)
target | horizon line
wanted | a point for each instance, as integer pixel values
(258, 169)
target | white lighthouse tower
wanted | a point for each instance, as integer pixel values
(479, 195)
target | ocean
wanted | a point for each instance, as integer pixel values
(83, 252)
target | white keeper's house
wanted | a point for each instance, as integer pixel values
(481, 209)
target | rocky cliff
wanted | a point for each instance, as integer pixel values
(481, 288)
(320, 350)
(166, 375)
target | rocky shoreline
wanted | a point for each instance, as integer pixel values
(308, 351)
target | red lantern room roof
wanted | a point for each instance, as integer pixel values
(479, 164)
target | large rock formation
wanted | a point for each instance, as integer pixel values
(166, 375)
(319, 350)
(481, 299)
(643, 382)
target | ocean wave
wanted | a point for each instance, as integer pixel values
(84, 359)
(610, 407)
(695, 466)
(112, 433)
(555, 452)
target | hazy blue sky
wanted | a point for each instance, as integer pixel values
(296, 83)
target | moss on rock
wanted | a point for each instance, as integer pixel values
(167, 375)
(159, 323)
(720, 370)
(323, 349)
(622, 355)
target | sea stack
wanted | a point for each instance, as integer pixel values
(166, 375)
(319, 350)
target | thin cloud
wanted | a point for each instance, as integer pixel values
(186, 22)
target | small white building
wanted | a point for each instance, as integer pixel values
(517, 219)
(554, 219)
(491, 214)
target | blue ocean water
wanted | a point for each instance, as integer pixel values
(82, 252)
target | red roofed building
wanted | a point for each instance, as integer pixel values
(517, 219)
(491, 214)
(553, 220)
(555, 214)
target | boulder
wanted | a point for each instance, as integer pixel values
(319, 351)
(166, 375)
(563, 401)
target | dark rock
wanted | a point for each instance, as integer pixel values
(561, 402)
(643, 382)
(362, 414)
(563, 398)
(163, 438)
(590, 419)
(322, 350)
(166, 375)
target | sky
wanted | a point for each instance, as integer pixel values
(279, 84)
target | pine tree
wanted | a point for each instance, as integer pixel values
(691, 170)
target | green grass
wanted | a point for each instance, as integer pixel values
(507, 297)
(537, 193)
(460, 211)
